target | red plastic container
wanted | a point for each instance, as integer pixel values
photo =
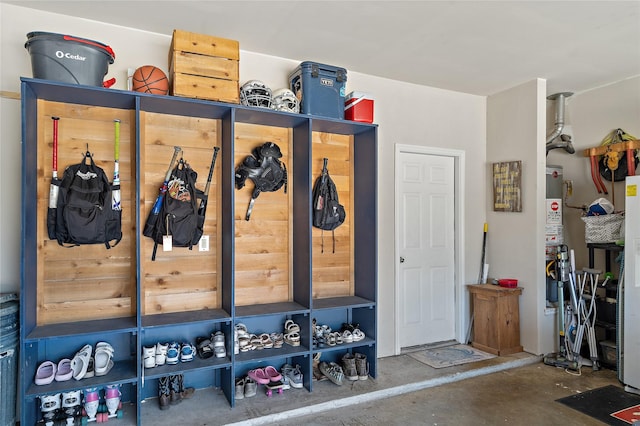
(508, 283)
(358, 106)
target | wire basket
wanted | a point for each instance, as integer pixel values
(606, 228)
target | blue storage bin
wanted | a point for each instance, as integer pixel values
(320, 89)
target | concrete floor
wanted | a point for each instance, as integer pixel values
(517, 389)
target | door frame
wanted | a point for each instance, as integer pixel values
(459, 209)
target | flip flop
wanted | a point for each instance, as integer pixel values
(80, 362)
(103, 362)
(46, 373)
(64, 371)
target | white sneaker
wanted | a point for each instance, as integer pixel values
(161, 353)
(149, 355)
(219, 344)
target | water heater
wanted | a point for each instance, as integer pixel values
(553, 225)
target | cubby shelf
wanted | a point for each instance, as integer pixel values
(260, 272)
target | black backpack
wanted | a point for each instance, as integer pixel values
(328, 213)
(265, 169)
(178, 215)
(84, 214)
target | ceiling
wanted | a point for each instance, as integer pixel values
(477, 47)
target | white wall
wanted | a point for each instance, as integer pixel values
(406, 113)
(516, 131)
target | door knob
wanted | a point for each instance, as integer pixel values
(401, 259)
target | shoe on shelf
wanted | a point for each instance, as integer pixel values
(278, 340)
(91, 368)
(164, 391)
(293, 376)
(220, 351)
(292, 339)
(291, 327)
(204, 347)
(333, 372)
(244, 343)
(63, 370)
(218, 339)
(185, 393)
(186, 352)
(71, 405)
(80, 362)
(173, 353)
(46, 373)
(256, 343)
(240, 388)
(362, 366)
(317, 374)
(349, 327)
(266, 341)
(161, 353)
(49, 406)
(91, 404)
(149, 355)
(175, 395)
(259, 376)
(358, 335)
(103, 358)
(272, 373)
(349, 367)
(250, 387)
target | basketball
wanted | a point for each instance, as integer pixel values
(150, 79)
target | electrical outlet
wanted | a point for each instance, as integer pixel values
(203, 245)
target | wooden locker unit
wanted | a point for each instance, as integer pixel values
(182, 279)
(333, 271)
(91, 284)
(259, 272)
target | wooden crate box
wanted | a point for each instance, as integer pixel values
(204, 67)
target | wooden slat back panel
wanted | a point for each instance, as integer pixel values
(263, 244)
(182, 279)
(87, 282)
(332, 273)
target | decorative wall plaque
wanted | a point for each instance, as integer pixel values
(507, 186)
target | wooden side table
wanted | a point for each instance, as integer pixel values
(496, 319)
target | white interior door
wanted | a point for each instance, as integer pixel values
(426, 194)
